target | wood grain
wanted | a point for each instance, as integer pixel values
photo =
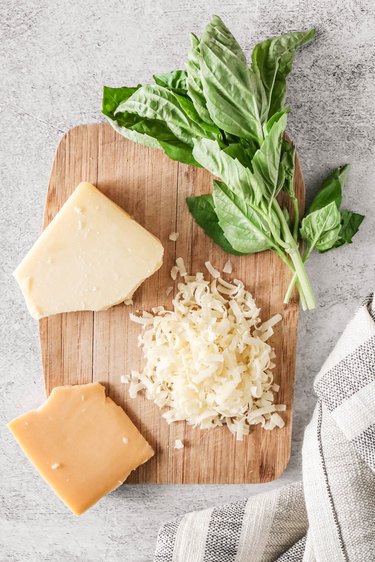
(84, 347)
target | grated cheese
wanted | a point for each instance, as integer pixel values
(228, 268)
(211, 270)
(207, 360)
(178, 444)
(139, 319)
(278, 420)
(181, 267)
(174, 236)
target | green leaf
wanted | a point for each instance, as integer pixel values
(262, 180)
(210, 129)
(221, 164)
(272, 61)
(244, 226)
(130, 126)
(134, 136)
(232, 92)
(159, 103)
(244, 153)
(175, 80)
(287, 168)
(267, 127)
(151, 127)
(266, 161)
(112, 97)
(179, 151)
(331, 189)
(149, 132)
(203, 211)
(194, 82)
(350, 223)
(321, 227)
(327, 240)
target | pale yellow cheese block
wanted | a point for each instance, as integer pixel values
(82, 443)
(90, 257)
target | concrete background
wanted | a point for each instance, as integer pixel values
(55, 57)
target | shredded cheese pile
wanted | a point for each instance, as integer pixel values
(208, 360)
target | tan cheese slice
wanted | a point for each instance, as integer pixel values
(90, 257)
(82, 444)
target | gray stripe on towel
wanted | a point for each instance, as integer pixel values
(166, 540)
(289, 523)
(224, 532)
(348, 376)
(294, 553)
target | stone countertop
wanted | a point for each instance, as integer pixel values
(55, 57)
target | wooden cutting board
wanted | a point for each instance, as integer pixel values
(83, 347)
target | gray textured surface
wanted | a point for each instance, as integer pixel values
(55, 57)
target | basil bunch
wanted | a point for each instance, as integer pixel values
(230, 117)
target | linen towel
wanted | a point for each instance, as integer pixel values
(330, 516)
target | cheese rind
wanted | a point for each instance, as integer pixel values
(82, 444)
(90, 257)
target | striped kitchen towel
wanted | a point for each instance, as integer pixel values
(330, 516)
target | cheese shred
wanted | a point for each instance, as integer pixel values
(228, 268)
(207, 360)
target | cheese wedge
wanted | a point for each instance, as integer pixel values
(82, 444)
(90, 257)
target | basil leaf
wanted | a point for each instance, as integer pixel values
(328, 240)
(203, 211)
(194, 82)
(331, 193)
(287, 168)
(219, 163)
(173, 147)
(267, 127)
(321, 227)
(210, 129)
(272, 61)
(232, 92)
(244, 153)
(266, 161)
(130, 126)
(331, 189)
(244, 226)
(261, 181)
(135, 136)
(112, 97)
(179, 151)
(155, 102)
(350, 223)
(175, 80)
(151, 127)
(149, 132)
